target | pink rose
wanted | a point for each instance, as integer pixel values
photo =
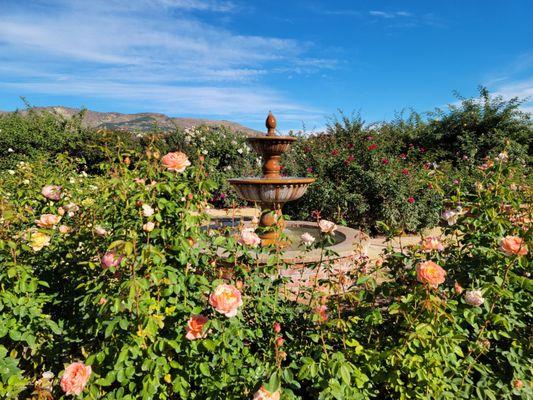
(47, 221)
(513, 245)
(176, 161)
(75, 378)
(327, 227)
(430, 273)
(263, 394)
(111, 259)
(432, 243)
(51, 192)
(457, 288)
(64, 229)
(249, 238)
(102, 301)
(226, 299)
(195, 327)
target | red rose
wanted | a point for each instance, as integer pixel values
(372, 147)
(411, 200)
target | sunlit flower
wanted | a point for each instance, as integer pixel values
(249, 238)
(430, 273)
(100, 231)
(263, 394)
(450, 216)
(195, 327)
(47, 221)
(503, 156)
(307, 239)
(226, 299)
(431, 243)
(176, 161)
(37, 240)
(149, 226)
(111, 259)
(51, 192)
(474, 297)
(326, 226)
(75, 378)
(513, 245)
(148, 211)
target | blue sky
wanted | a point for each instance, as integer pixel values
(236, 59)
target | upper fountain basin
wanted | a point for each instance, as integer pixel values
(271, 191)
(271, 145)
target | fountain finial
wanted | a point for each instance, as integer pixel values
(271, 123)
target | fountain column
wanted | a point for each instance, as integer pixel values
(272, 190)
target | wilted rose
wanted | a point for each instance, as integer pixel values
(474, 297)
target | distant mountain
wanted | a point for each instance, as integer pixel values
(142, 121)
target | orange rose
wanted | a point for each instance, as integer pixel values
(75, 378)
(195, 327)
(226, 299)
(513, 245)
(176, 161)
(430, 273)
(47, 221)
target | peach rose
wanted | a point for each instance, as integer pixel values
(64, 229)
(249, 238)
(149, 226)
(513, 245)
(111, 259)
(37, 239)
(226, 299)
(195, 327)
(432, 243)
(51, 192)
(75, 378)
(176, 161)
(263, 394)
(47, 221)
(430, 273)
(327, 227)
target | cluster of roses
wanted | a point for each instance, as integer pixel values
(431, 274)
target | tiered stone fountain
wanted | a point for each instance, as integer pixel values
(271, 191)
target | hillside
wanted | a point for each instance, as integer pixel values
(141, 121)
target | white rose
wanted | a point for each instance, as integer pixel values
(307, 239)
(148, 211)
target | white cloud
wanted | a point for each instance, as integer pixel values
(150, 52)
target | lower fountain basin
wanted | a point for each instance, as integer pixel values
(347, 242)
(271, 191)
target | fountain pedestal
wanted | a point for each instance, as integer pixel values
(271, 191)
